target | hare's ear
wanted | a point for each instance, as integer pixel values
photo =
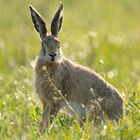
(57, 21)
(39, 22)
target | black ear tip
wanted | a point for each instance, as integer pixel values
(61, 5)
(31, 8)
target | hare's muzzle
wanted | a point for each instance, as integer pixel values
(52, 56)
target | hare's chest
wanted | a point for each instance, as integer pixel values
(47, 87)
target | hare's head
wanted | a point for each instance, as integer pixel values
(51, 51)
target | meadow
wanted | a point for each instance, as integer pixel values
(102, 35)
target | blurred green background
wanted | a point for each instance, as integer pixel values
(93, 31)
(101, 34)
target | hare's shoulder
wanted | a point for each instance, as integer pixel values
(79, 70)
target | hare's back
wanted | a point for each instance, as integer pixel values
(84, 83)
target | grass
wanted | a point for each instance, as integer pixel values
(104, 36)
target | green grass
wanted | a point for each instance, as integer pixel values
(103, 35)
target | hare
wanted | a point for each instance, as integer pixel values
(62, 83)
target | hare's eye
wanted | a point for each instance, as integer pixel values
(58, 46)
(43, 49)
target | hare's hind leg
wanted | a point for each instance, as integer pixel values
(113, 107)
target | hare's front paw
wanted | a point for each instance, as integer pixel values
(42, 126)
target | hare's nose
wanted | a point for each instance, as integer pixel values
(52, 55)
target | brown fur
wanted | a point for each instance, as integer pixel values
(75, 84)
(63, 83)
